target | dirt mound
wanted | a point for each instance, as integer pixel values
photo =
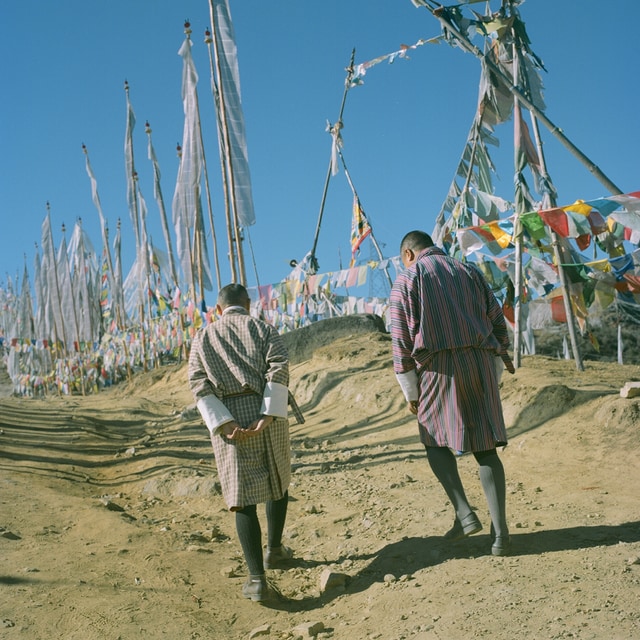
(303, 342)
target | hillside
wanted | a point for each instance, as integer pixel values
(113, 526)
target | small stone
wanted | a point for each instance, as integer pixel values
(198, 549)
(331, 580)
(112, 506)
(630, 390)
(262, 630)
(10, 535)
(309, 629)
(228, 572)
(196, 536)
(389, 578)
(633, 560)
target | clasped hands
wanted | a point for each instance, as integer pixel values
(233, 431)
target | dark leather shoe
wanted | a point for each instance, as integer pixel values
(255, 588)
(501, 546)
(277, 557)
(461, 529)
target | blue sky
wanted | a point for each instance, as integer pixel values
(65, 64)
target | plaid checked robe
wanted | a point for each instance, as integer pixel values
(233, 358)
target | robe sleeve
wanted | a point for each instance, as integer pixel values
(275, 401)
(214, 413)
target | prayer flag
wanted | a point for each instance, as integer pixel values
(360, 229)
(229, 81)
(187, 200)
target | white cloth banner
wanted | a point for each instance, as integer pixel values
(230, 95)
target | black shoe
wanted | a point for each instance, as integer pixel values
(255, 588)
(501, 546)
(276, 557)
(461, 529)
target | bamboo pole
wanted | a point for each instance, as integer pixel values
(163, 213)
(139, 264)
(56, 329)
(517, 302)
(517, 234)
(222, 153)
(518, 79)
(206, 178)
(253, 260)
(131, 183)
(198, 243)
(118, 295)
(120, 310)
(236, 254)
(566, 291)
(313, 262)
(103, 225)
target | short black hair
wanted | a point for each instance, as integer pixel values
(233, 295)
(416, 241)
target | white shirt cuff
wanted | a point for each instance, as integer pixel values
(275, 401)
(213, 412)
(408, 382)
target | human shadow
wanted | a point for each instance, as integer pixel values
(412, 554)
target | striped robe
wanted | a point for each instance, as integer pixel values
(233, 358)
(448, 326)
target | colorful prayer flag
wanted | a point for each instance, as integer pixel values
(360, 228)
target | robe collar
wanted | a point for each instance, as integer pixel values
(235, 309)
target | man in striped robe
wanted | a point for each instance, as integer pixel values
(450, 342)
(238, 373)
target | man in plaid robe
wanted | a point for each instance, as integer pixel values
(238, 374)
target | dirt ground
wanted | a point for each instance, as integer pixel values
(112, 525)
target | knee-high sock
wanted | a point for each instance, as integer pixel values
(250, 535)
(445, 468)
(494, 487)
(276, 517)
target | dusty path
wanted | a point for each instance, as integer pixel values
(113, 526)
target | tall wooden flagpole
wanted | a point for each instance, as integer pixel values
(160, 201)
(335, 131)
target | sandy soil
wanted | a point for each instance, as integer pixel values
(112, 525)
